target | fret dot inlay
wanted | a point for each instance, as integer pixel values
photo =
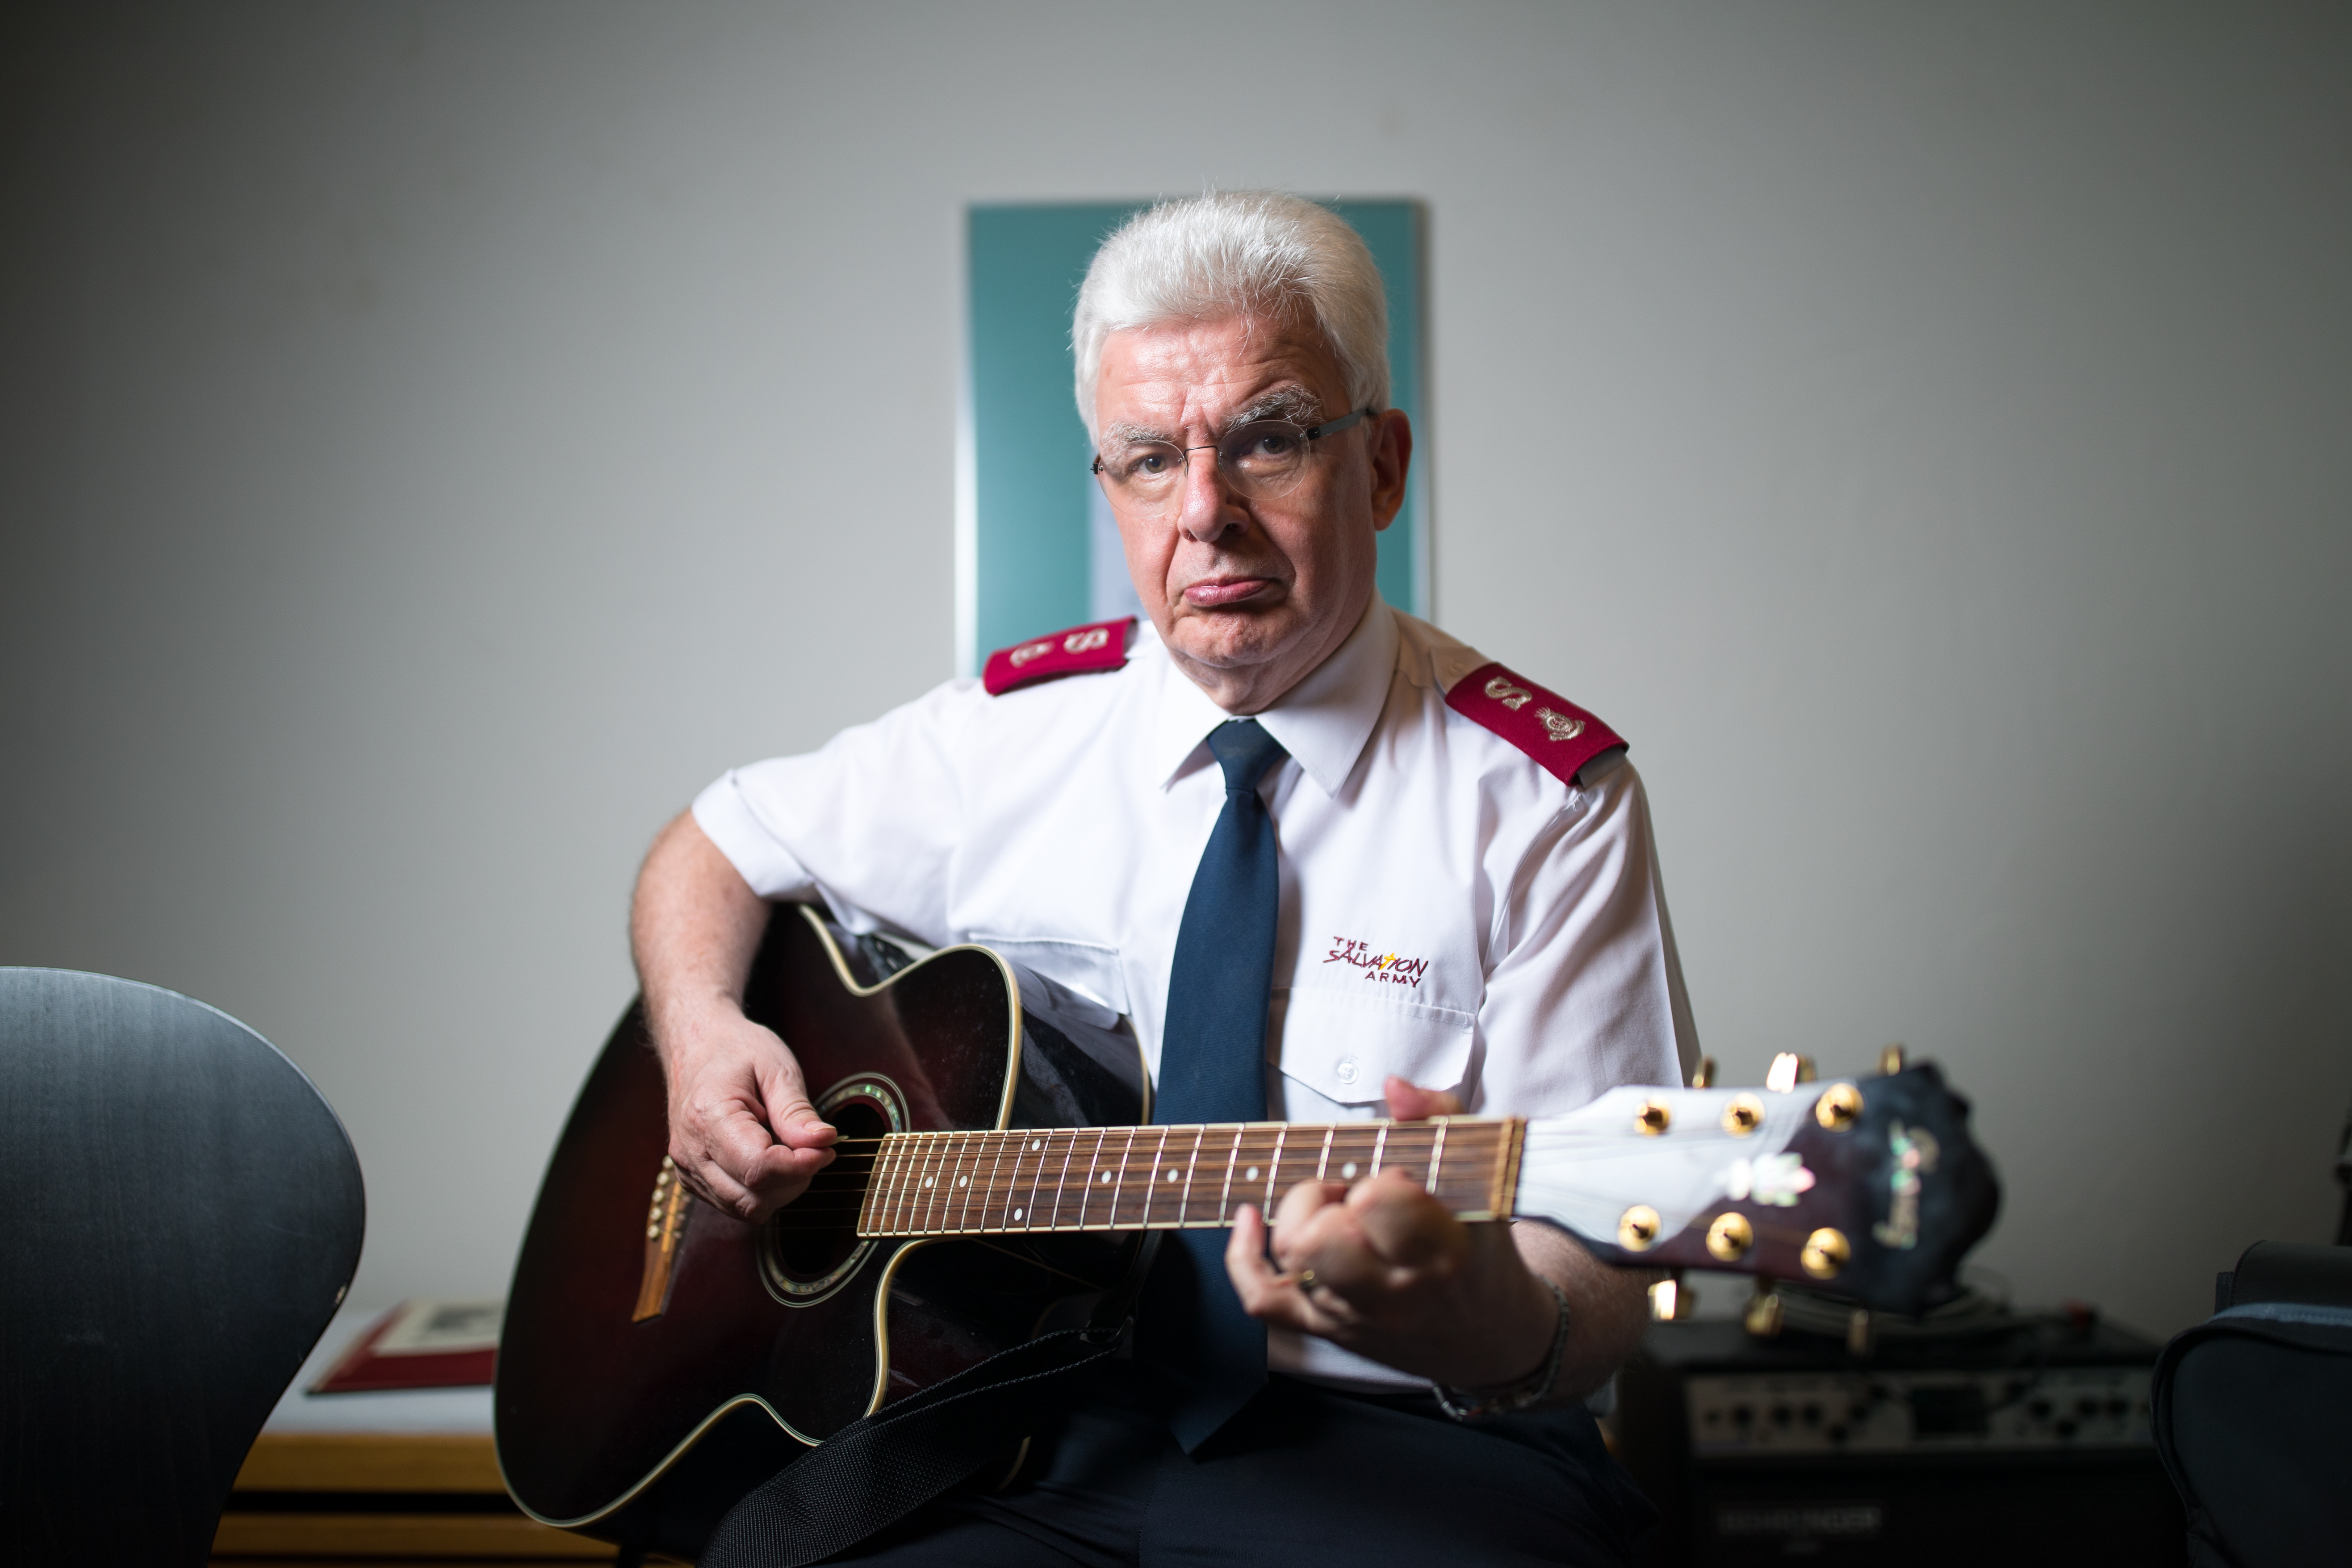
(1250, 1174)
(1348, 1169)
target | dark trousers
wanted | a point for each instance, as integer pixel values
(1301, 1477)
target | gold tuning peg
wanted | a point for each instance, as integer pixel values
(1762, 1319)
(1806, 1072)
(1669, 1299)
(1704, 1074)
(1788, 1070)
(1890, 1060)
(1858, 1337)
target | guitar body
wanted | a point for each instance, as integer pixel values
(660, 1356)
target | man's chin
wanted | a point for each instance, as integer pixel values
(1230, 640)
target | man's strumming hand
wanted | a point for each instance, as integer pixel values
(741, 1130)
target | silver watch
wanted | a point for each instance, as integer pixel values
(1471, 1404)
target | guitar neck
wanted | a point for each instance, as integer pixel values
(1166, 1178)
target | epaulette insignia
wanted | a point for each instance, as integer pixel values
(1101, 645)
(1560, 736)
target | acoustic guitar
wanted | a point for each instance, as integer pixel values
(994, 1173)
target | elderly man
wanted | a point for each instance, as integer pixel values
(1213, 823)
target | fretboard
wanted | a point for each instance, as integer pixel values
(1166, 1178)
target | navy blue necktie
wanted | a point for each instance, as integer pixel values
(1213, 1068)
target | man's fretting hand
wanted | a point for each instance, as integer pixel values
(1395, 1275)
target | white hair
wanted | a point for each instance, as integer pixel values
(1228, 253)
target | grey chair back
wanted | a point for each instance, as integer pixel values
(179, 1216)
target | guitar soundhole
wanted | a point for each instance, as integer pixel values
(811, 1246)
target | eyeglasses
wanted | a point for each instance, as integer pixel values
(1261, 460)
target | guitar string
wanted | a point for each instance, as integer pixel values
(995, 1188)
(1245, 1149)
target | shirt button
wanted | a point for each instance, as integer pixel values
(1346, 1071)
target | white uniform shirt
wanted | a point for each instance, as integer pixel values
(1451, 912)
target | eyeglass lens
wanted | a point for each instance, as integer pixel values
(1261, 460)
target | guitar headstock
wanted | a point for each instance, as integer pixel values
(1868, 1188)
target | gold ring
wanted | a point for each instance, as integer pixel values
(1304, 1280)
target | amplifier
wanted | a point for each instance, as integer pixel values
(2013, 1439)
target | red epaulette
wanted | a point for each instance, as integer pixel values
(1560, 736)
(1099, 646)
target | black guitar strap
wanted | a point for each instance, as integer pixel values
(878, 1470)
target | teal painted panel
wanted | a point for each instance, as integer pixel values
(1393, 232)
(1042, 554)
(1029, 450)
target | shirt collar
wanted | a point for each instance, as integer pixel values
(1323, 721)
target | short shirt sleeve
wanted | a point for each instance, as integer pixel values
(1585, 992)
(869, 822)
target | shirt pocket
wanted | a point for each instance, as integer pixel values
(1344, 1045)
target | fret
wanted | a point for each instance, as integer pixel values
(1028, 1153)
(1110, 1179)
(935, 1189)
(1147, 1184)
(1324, 1163)
(893, 1217)
(910, 1177)
(1379, 1148)
(1019, 1210)
(1004, 1144)
(1167, 1181)
(957, 1189)
(1273, 1171)
(910, 1184)
(973, 1153)
(869, 1208)
(988, 1146)
(1192, 1171)
(1436, 1154)
(1092, 1180)
(1093, 1176)
(1151, 1178)
(885, 1212)
(1062, 1181)
(1126, 1159)
(935, 1170)
(1001, 1197)
(1175, 1180)
(1123, 1193)
(1225, 1191)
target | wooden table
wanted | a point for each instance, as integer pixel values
(383, 1499)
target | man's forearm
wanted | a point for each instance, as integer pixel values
(694, 927)
(1607, 1307)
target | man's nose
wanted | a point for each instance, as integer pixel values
(1211, 507)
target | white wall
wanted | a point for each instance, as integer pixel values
(435, 439)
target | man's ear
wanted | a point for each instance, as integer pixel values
(1391, 460)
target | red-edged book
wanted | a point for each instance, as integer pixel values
(420, 1344)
